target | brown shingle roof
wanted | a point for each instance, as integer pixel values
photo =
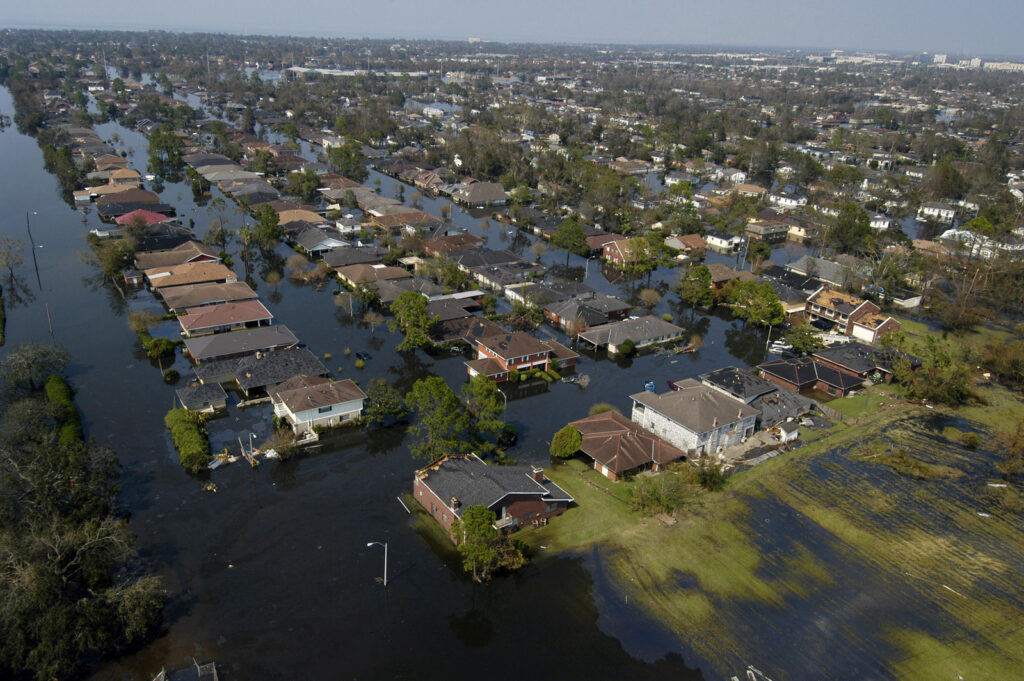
(621, 445)
(312, 392)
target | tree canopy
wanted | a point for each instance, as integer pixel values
(756, 303)
(442, 422)
(413, 319)
(566, 442)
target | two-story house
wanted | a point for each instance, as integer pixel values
(306, 402)
(695, 418)
(851, 315)
(499, 355)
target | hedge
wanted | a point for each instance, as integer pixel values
(58, 392)
(189, 438)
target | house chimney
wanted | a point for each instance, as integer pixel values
(537, 474)
(455, 503)
(714, 423)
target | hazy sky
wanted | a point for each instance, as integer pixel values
(982, 27)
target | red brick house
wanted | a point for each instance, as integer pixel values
(620, 446)
(499, 355)
(519, 495)
(625, 251)
(853, 316)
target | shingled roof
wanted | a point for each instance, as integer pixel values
(303, 392)
(622, 445)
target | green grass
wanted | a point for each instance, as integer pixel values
(715, 543)
(865, 402)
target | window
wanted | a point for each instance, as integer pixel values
(325, 410)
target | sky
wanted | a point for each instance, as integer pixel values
(974, 27)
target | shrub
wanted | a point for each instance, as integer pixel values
(189, 438)
(566, 442)
(602, 407)
(513, 376)
(711, 477)
(970, 440)
(171, 375)
(360, 364)
(58, 393)
(627, 348)
(667, 316)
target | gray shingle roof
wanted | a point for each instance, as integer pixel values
(474, 483)
(268, 369)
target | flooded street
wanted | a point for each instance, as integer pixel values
(270, 576)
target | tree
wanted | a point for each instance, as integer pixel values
(756, 303)
(475, 535)
(442, 421)
(570, 237)
(852, 232)
(413, 319)
(10, 254)
(267, 231)
(348, 159)
(372, 319)
(27, 366)
(757, 253)
(566, 442)
(695, 287)
(649, 298)
(383, 402)
(538, 248)
(804, 339)
(485, 405)
(303, 184)
(943, 377)
(248, 120)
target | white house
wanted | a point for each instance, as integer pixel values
(695, 418)
(881, 222)
(720, 241)
(310, 401)
(939, 212)
(787, 201)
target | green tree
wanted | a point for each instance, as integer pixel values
(570, 237)
(566, 442)
(383, 402)
(413, 319)
(756, 303)
(804, 339)
(943, 377)
(348, 159)
(267, 232)
(248, 121)
(485, 406)
(695, 287)
(852, 232)
(758, 252)
(476, 536)
(302, 184)
(442, 421)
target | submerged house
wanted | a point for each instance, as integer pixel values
(308, 402)
(518, 495)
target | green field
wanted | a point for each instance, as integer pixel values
(899, 570)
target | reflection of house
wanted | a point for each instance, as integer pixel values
(643, 331)
(695, 417)
(518, 495)
(803, 373)
(853, 316)
(619, 446)
(308, 402)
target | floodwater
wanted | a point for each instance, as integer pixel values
(270, 575)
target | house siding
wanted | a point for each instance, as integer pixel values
(682, 437)
(307, 419)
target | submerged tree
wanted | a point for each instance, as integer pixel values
(442, 422)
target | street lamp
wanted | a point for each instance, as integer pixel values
(504, 399)
(385, 545)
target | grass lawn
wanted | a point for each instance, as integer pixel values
(866, 401)
(720, 572)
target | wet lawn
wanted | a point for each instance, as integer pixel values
(830, 563)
